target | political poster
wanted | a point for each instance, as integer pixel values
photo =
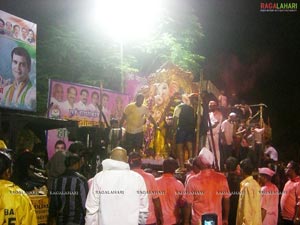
(72, 101)
(17, 63)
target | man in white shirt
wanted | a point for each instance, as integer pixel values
(270, 151)
(24, 33)
(258, 138)
(94, 105)
(213, 134)
(117, 194)
(16, 31)
(69, 104)
(57, 94)
(82, 103)
(105, 109)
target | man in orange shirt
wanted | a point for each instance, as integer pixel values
(171, 191)
(155, 213)
(289, 201)
(206, 192)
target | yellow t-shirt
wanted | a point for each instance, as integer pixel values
(15, 205)
(249, 207)
(135, 118)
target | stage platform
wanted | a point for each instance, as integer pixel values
(155, 164)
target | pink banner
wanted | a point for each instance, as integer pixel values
(79, 102)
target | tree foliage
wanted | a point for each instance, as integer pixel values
(66, 54)
(176, 41)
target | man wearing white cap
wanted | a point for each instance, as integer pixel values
(269, 197)
(206, 192)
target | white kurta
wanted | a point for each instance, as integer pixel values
(80, 105)
(23, 97)
(117, 196)
(216, 120)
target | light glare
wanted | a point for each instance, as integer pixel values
(127, 19)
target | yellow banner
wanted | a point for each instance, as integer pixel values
(41, 205)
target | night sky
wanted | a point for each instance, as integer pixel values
(254, 54)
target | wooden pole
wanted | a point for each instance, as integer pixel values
(105, 123)
(100, 103)
(197, 145)
(213, 144)
(261, 121)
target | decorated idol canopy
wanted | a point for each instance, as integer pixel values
(163, 90)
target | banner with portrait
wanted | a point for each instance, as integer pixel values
(17, 63)
(81, 103)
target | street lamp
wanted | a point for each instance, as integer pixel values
(126, 21)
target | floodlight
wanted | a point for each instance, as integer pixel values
(127, 19)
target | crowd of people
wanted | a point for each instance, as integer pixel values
(234, 179)
(124, 193)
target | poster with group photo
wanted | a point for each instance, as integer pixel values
(72, 101)
(17, 63)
